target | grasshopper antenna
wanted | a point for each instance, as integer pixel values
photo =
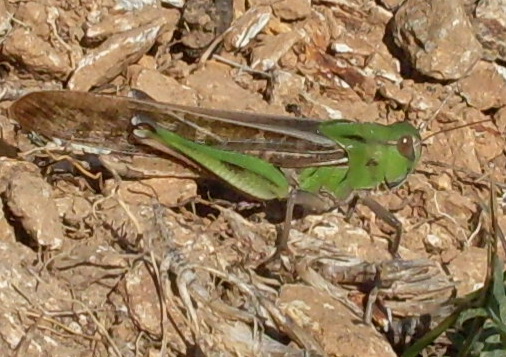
(455, 128)
(425, 124)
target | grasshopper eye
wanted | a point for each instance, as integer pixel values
(406, 147)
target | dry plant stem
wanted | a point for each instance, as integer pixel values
(425, 124)
(23, 345)
(119, 199)
(474, 234)
(19, 22)
(101, 327)
(408, 286)
(232, 279)
(444, 214)
(162, 284)
(189, 289)
(51, 21)
(59, 325)
(129, 213)
(171, 263)
(311, 277)
(371, 299)
(207, 53)
(292, 329)
(138, 340)
(169, 297)
(241, 67)
(163, 306)
(25, 296)
(200, 294)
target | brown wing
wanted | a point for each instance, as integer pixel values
(105, 121)
(84, 117)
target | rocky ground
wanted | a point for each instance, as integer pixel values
(160, 263)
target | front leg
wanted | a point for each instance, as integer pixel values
(388, 217)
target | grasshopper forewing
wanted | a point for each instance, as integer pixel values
(106, 120)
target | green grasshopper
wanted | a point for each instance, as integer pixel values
(316, 164)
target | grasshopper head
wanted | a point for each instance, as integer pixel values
(376, 153)
(407, 146)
